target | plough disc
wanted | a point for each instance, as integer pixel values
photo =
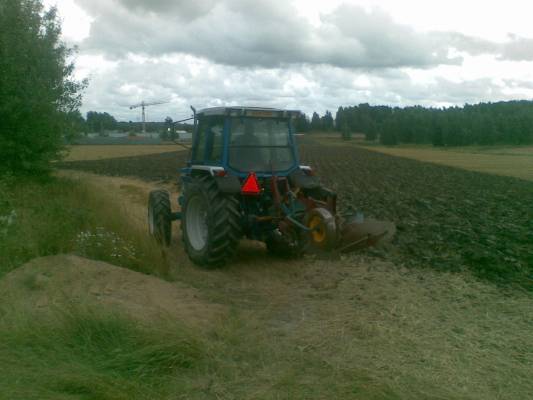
(345, 234)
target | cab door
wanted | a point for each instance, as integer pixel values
(209, 141)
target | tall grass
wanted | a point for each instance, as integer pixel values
(58, 215)
(90, 354)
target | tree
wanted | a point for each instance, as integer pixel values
(170, 129)
(75, 125)
(37, 89)
(346, 133)
(316, 123)
(327, 121)
(301, 123)
(101, 122)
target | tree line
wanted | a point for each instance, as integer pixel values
(508, 122)
(103, 122)
(481, 124)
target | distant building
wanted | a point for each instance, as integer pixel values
(184, 136)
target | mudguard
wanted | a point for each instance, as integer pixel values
(303, 181)
(228, 184)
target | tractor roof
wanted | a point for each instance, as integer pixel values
(238, 111)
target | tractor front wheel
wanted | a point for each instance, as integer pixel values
(211, 223)
(160, 216)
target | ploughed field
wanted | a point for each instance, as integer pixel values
(447, 218)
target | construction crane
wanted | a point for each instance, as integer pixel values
(143, 105)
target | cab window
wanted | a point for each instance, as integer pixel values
(199, 141)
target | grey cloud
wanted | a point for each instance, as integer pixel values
(517, 48)
(469, 44)
(384, 43)
(185, 9)
(266, 34)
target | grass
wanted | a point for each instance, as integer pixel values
(91, 354)
(60, 215)
(100, 152)
(83, 353)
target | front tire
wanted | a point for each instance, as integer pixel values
(160, 216)
(211, 223)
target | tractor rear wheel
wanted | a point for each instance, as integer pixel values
(211, 223)
(160, 216)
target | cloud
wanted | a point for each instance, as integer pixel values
(184, 80)
(517, 49)
(266, 34)
(237, 52)
(184, 9)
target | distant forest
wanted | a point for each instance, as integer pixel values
(102, 122)
(481, 124)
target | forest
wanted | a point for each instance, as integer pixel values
(481, 124)
(498, 123)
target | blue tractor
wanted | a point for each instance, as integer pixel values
(244, 179)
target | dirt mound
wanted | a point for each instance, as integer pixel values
(57, 281)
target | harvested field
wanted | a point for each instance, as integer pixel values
(100, 152)
(154, 167)
(516, 162)
(447, 218)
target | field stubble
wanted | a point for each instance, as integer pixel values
(101, 152)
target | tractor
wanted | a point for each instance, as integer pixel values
(243, 178)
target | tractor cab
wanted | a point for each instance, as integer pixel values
(244, 139)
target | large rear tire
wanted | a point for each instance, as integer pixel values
(160, 216)
(211, 223)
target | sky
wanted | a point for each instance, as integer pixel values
(297, 54)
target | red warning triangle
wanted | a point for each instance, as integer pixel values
(251, 185)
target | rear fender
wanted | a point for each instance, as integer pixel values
(229, 184)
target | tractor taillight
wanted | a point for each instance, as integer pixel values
(221, 173)
(251, 185)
